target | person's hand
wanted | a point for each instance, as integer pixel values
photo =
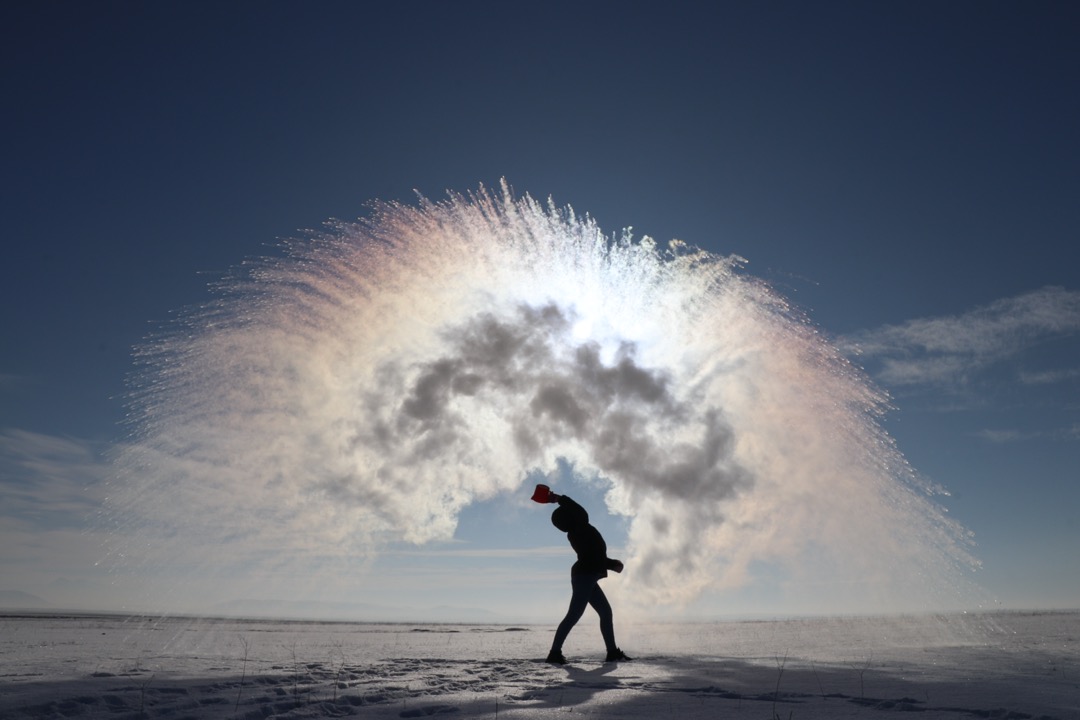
(544, 495)
(617, 565)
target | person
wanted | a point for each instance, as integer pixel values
(592, 566)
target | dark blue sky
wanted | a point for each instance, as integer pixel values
(878, 163)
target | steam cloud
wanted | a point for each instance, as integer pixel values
(389, 372)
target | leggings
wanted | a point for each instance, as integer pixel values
(586, 591)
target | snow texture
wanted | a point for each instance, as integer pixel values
(1006, 665)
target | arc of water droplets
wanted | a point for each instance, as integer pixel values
(386, 373)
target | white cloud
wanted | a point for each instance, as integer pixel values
(558, 551)
(50, 494)
(1049, 377)
(1003, 436)
(48, 481)
(949, 349)
(1012, 435)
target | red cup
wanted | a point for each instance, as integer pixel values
(541, 494)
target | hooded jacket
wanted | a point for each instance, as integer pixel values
(586, 540)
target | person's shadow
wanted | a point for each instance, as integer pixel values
(581, 685)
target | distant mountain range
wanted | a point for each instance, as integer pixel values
(302, 610)
(361, 612)
(18, 600)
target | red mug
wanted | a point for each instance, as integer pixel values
(541, 494)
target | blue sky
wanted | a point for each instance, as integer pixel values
(906, 173)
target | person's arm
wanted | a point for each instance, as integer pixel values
(564, 501)
(616, 565)
(567, 502)
(579, 515)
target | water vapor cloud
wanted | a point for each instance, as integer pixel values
(384, 374)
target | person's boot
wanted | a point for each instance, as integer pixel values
(555, 657)
(616, 655)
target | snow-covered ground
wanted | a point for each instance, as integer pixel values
(1005, 665)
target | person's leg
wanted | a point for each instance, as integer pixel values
(600, 604)
(582, 587)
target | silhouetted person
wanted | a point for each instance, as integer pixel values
(585, 575)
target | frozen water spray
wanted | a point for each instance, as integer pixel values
(386, 373)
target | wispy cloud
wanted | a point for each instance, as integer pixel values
(46, 481)
(1049, 377)
(1003, 436)
(50, 542)
(558, 551)
(948, 350)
